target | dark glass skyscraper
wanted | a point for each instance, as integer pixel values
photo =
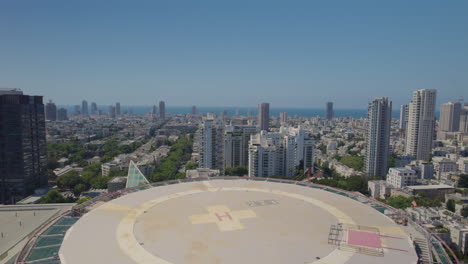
(162, 110)
(84, 108)
(329, 111)
(264, 116)
(94, 109)
(23, 157)
(117, 109)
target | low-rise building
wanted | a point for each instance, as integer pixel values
(423, 169)
(463, 165)
(443, 165)
(201, 172)
(379, 189)
(432, 191)
(459, 236)
(401, 177)
(117, 183)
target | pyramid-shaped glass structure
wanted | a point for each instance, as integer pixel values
(135, 177)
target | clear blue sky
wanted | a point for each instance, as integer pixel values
(234, 53)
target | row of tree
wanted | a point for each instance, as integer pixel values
(179, 154)
(90, 178)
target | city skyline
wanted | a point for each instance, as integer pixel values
(184, 131)
(210, 53)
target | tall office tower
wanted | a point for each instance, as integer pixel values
(162, 110)
(112, 113)
(62, 114)
(283, 117)
(236, 144)
(84, 108)
(329, 111)
(464, 119)
(194, 110)
(210, 139)
(23, 156)
(421, 120)
(403, 117)
(94, 110)
(77, 110)
(450, 117)
(117, 109)
(249, 112)
(51, 111)
(280, 153)
(379, 115)
(264, 116)
(154, 111)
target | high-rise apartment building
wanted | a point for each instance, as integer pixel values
(210, 142)
(117, 109)
(94, 109)
(264, 116)
(236, 144)
(84, 108)
(51, 111)
(280, 153)
(23, 157)
(329, 111)
(403, 117)
(62, 114)
(464, 119)
(421, 121)
(162, 110)
(379, 117)
(112, 112)
(283, 117)
(450, 117)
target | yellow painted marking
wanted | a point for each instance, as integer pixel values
(223, 217)
(391, 230)
(115, 207)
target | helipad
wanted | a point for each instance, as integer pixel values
(235, 221)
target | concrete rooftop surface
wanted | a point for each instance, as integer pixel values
(235, 221)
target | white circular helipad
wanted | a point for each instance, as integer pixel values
(235, 221)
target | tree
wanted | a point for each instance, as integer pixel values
(84, 199)
(53, 196)
(191, 165)
(79, 188)
(236, 171)
(402, 202)
(392, 160)
(355, 162)
(179, 154)
(463, 181)
(69, 180)
(399, 202)
(464, 211)
(450, 205)
(100, 182)
(357, 183)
